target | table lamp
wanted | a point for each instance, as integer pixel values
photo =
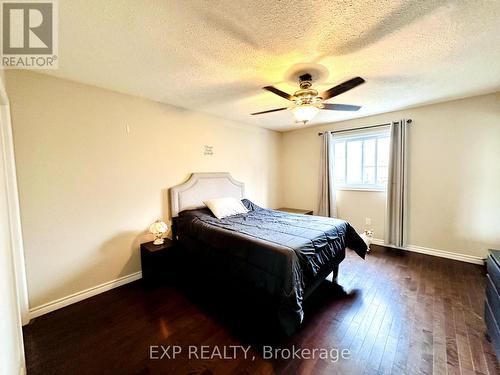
(158, 229)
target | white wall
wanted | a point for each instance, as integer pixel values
(11, 342)
(454, 178)
(89, 190)
(11, 355)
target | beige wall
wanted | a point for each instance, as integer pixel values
(357, 206)
(454, 178)
(89, 190)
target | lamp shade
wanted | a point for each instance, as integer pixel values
(305, 112)
(158, 227)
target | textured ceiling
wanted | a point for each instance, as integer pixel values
(214, 56)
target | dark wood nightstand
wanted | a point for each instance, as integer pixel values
(157, 262)
(295, 211)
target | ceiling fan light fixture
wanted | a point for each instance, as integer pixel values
(305, 113)
(307, 102)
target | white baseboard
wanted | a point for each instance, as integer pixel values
(377, 241)
(437, 253)
(84, 294)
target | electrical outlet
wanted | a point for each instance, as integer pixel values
(368, 221)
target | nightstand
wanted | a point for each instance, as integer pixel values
(157, 262)
(295, 211)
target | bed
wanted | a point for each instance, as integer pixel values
(279, 256)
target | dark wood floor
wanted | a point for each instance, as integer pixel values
(397, 312)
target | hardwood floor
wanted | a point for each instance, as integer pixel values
(397, 313)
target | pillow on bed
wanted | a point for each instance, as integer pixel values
(224, 207)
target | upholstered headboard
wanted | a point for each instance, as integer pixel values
(202, 186)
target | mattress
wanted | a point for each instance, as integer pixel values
(280, 253)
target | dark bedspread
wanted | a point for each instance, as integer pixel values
(278, 252)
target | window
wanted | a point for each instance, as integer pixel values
(361, 161)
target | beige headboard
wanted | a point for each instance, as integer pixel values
(202, 186)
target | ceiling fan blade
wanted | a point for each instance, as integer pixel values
(278, 92)
(341, 107)
(271, 110)
(343, 87)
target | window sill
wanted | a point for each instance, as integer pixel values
(372, 189)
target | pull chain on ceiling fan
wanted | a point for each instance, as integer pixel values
(307, 102)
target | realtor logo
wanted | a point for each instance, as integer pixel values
(29, 34)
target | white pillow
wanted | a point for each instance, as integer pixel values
(224, 207)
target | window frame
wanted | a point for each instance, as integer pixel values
(385, 133)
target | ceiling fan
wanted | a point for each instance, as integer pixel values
(307, 102)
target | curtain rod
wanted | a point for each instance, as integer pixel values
(408, 121)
